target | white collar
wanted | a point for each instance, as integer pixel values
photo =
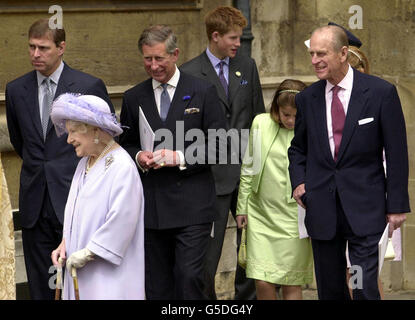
(172, 82)
(346, 83)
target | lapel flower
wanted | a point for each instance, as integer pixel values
(185, 98)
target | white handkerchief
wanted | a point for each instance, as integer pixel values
(364, 121)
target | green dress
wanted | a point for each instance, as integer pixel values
(274, 251)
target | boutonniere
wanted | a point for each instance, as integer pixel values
(185, 98)
(238, 73)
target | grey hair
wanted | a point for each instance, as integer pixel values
(160, 33)
(339, 37)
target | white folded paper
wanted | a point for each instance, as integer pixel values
(147, 135)
(301, 225)
(386, 251)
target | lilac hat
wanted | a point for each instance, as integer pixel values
(86, 109)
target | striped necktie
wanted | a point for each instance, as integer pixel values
(46, 105)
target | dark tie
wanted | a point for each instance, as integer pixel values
(47, 103)
(164, 102)
(222, 77)
(337, 117)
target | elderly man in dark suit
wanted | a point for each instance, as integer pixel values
(179, 189)
(237, 83)
(343, 123)
(48, 161)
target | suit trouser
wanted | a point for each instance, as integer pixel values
(330, 263)
(174, 262)
(38, 244)
(244, 287)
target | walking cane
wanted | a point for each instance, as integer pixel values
(75, 283)
(58, 279)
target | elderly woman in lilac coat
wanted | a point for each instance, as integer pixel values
(103, 235)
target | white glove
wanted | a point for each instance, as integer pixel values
(79, 258)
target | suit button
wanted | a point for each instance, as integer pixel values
(331, 190)
(179, 184)
(228, 115)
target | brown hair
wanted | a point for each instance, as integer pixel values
(160, 33)
(357, 59)
(40, 28)
(285, 95)
(224, 19)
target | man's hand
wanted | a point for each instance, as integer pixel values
(144, 159)
(165, 158)
(298, 193)
(395, 220)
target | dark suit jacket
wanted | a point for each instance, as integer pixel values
(243, 103)
(47, 165)
(358, 175)
(175, 198)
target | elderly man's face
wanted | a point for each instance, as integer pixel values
(159, 64)
(328, 63)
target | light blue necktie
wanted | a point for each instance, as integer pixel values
(46, 105)
(164, 102)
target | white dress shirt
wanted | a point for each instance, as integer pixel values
(344, 94)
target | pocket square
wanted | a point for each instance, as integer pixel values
(191, 110)
(244, 82)
(364, 121)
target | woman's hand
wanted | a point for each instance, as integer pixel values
(242, 220)
(59, 252)
(79, 258)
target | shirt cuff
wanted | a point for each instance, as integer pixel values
(182, 165)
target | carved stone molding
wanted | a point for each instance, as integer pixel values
(28, 6)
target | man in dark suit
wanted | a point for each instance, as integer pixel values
(237, 83)
(179, 189)
(343, 123)
(48, 161)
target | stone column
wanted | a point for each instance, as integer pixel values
(247, 36)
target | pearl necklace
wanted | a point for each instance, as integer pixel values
(102, 154)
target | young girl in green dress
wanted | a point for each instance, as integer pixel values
(275, 253)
